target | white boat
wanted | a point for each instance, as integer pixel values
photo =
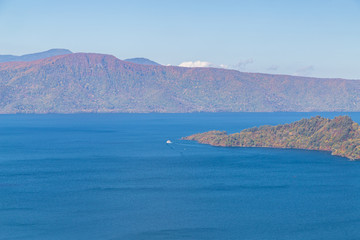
(168, 141)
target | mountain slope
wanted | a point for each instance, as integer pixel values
(34, 56)
(340, 135)
(143, 61)
(83, 82)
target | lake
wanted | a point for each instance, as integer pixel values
(112, 176)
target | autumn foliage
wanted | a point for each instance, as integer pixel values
(340, 135)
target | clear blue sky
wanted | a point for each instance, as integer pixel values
(305, 37)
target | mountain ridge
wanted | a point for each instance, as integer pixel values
(34, 56)
(88, 82)
(143, 61)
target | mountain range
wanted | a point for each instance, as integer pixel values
(34, 56)
(87, 82)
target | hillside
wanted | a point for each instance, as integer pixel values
(82, 82)
(34, 56)
(340, 135)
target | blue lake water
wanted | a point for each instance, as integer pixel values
(112, 176)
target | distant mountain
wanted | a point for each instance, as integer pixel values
(82, 82)
(34, 56)
(340, 135)
(143, 61)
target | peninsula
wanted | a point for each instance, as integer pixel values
(340, 136)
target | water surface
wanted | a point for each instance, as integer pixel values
(112, 176)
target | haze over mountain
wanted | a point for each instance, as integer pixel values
(34, 56)
(143, 61)
(84, 82)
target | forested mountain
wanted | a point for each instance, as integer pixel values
(82, 82)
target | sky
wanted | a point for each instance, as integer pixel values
(319, 38)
